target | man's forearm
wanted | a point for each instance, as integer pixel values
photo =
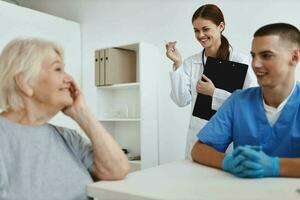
(289, 167)
(206, 155)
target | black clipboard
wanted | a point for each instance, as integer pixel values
(226, 75)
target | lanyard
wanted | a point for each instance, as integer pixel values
(203, 57)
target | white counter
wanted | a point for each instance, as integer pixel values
(188, 180)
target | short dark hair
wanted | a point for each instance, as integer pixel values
(283, 30)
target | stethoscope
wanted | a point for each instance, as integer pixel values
(203, 61)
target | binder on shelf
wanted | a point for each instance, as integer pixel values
(120, 66)
(226, 75)
(115, 66)
(102, 67)
(99, 68)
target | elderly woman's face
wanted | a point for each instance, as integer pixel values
(52, 88)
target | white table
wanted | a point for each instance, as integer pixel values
(188, 180)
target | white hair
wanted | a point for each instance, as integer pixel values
(26, 57)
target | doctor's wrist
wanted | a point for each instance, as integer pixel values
(177, 64)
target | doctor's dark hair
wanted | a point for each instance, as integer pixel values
(285, 31)
(214, 14)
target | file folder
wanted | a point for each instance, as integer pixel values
(226, 75)
(99, 68)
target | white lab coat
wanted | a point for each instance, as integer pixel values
(184, 81)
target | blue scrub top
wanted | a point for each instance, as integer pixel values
(242, 119)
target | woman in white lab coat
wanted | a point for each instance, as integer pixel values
(208, 23)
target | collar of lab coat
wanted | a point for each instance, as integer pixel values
(197, 59)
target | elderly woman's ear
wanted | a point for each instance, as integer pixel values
(23, 86)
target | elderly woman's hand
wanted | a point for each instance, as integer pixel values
(78, 106)
(110, 163)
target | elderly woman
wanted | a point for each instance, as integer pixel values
(39, 160)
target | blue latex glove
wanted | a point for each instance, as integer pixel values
(254, 147)
(255, 157)
(233, 163)
(250, 169)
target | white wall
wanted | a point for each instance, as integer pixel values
(107, 23)
(18, 21)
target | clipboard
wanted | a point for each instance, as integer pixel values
(226, 75)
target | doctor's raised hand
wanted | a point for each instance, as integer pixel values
(173, 53)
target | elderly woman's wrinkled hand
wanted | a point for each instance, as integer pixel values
(78, 106)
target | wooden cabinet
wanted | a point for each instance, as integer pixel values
(114, 66)
(129, 110)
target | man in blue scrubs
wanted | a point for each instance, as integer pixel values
(263, 122)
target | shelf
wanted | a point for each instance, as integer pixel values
(135, 165)
(128, 109)
(120, 86)
(120, 120)
(138, 162)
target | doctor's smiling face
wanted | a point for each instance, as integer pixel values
(208, 22)
(207, 32)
